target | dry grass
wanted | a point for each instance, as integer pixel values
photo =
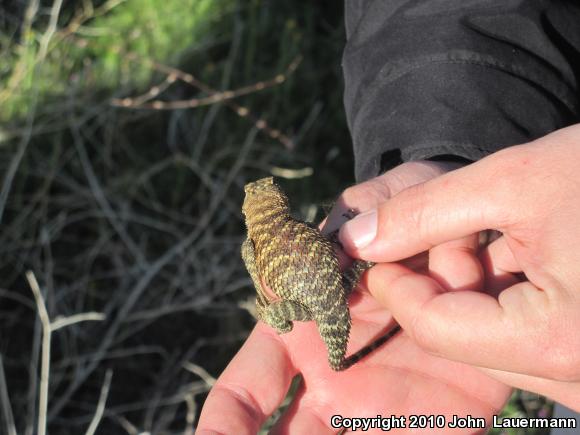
(125, 222)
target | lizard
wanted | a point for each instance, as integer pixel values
(300, 267)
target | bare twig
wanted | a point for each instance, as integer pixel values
(17, 76)
(192, 388)
(117, 354)
(45, 364)
(61, 322)
(88, 12)
(18, 156)
(50, 31)
(140, 101)
(214, 97)
(201, 372)
(101, 198)
(101, 405)
(290, 174)
(13, 295)
(19, 71)
(47, 329)
(151, 272)
(29, 16)
(190, 416)
(129, 427)
(5, 401)
(33, 378)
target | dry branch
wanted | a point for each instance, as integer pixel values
(101, 405)
(173, 74)
(45, 364)
(47, 329)
(5, 402)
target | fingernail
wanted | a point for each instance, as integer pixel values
(361, 230)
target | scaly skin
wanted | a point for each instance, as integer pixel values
(298, 264)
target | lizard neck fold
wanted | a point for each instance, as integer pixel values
(265, 211)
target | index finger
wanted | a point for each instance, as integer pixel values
(251, 387)
(457, 204)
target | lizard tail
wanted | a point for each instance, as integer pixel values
(357, 356)
(334, 328)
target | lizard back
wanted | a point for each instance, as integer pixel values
(293, 259)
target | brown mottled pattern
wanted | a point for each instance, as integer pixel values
(300, 266)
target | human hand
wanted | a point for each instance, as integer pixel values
(526, 333)
(397, 379)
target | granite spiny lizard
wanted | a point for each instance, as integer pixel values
(300, 266)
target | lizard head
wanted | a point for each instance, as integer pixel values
(262, 184)
(263, 195)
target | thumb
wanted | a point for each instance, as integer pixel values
(454, 205)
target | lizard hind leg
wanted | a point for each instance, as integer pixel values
(280, 315)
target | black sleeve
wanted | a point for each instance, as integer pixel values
(464, 78)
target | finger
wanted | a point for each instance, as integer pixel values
(500, 258)
(454, 205)
(566, 393)
(468, 326)
(357, 199)
(371, 193)
(251, 387)
(499, 267)
(455, 264)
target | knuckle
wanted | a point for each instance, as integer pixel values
(415, 208)
(349, 193)
(373, 189)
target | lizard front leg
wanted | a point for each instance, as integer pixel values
(249, 257)
(351, 276)
(280, 315)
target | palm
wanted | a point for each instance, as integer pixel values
(397, 379)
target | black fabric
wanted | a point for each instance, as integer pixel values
(426, 78)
